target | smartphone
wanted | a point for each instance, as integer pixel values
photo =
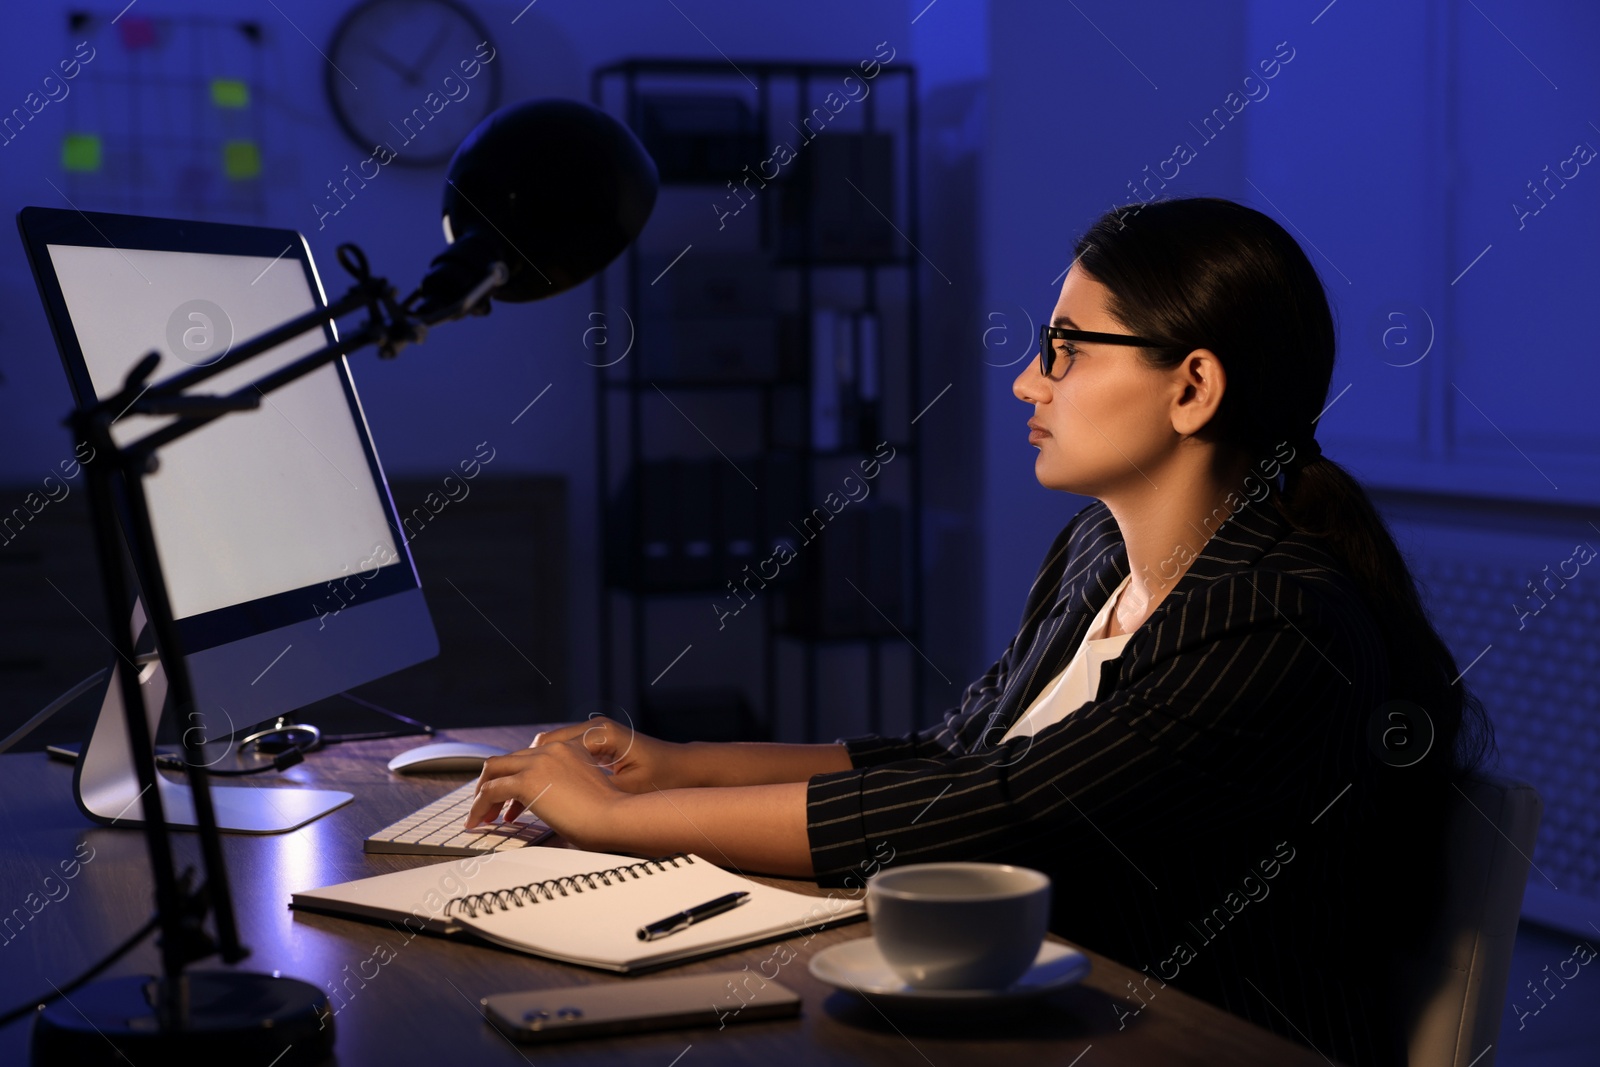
(632, 1006)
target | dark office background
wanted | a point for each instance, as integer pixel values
(1432, 157)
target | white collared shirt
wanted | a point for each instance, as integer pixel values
(1078, 682)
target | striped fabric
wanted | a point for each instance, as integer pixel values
(1210, 818)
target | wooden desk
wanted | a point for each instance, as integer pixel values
(421, 1006)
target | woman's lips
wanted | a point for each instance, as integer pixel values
(1035, 436)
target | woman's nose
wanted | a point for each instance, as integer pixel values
(1025, 387)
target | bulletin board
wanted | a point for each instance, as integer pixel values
(166, 117)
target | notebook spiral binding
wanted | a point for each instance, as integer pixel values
(505, 899)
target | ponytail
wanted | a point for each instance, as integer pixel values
(1321, 498)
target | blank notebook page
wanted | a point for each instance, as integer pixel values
(600, 925)
(516, 899)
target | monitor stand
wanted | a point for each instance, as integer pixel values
(106, 786)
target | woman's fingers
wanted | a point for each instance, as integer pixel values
(560, 733)
(491, 798)
(515, 781)
(496, 785)
(598, 734)
(483, 811)
(604, 737)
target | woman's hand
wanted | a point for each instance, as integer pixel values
(559, 783)
(638, 764)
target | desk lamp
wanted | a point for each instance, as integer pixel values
(540, 197)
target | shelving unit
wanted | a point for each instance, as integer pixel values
(716, 434)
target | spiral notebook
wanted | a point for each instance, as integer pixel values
(580, 907)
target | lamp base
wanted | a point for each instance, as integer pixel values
(237, 1018)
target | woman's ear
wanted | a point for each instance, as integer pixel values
(1199, 384)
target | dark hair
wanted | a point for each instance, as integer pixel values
(1209, 273)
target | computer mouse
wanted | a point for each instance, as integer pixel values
(444, 756)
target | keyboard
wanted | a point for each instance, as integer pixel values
(436, 830)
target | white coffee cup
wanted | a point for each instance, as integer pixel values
(959, 925)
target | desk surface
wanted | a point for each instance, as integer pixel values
(421, 1005)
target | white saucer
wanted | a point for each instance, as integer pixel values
(858, 967)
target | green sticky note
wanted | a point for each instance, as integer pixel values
(230, 92)
(241, 160)
(80, 152)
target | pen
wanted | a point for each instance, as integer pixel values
(674, 923)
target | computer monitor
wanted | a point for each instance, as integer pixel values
(288, 575)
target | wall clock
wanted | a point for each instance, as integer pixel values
(413, 76)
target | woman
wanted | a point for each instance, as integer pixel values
(1226, 727)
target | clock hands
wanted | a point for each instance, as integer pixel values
(409, 76)
(433, 46)
(412, 75)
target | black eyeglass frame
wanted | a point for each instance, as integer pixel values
(1048, 333)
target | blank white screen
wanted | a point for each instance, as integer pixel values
(258, 502)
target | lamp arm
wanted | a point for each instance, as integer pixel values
(179, 943)
(368, 292)
(390, 326)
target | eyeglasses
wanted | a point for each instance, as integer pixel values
(1047, 351)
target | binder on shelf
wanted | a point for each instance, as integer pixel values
(846, 383)
(824, 379)
(844, 357)
(869, 378)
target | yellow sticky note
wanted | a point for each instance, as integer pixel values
(80, 152)
(230, 92)
(241, 160)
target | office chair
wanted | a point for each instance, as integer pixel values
(1458, 982)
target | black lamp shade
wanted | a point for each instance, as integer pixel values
(560, 186)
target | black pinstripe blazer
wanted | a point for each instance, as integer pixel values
(1206, 819)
